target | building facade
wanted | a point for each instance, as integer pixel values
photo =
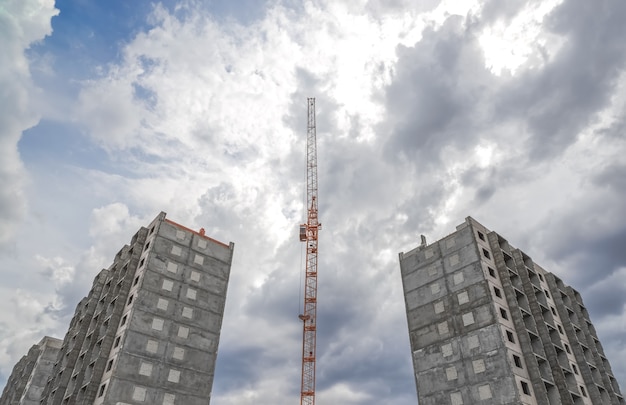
(487, 325)
(148, 331)
(30, 374)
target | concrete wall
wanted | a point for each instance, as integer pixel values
(455, 337)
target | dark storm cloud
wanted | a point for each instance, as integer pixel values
(442, 95)
(277, 300)
(602, 255)
(354, 304)
(310, 85)
(609, 299)
(234, 368)
(435, 99)
(590, 235)
(487, 181)
(559, 100)
(355, 181)
(613, 177)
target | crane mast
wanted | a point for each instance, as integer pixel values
(308, 234)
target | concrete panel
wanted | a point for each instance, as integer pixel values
(426, 294)
(426, 314)
(213, 249)
(429, 356)
(136, 343)
(435, 380)
(426, 336)
(488, 341)
(418, 277)
(472, 274)
(142, 321)
(193, 358)
(421, 257)
(464, 257)
(444, 397)
(172, 233)
(482, 315)
(164, 248)
(214, 284)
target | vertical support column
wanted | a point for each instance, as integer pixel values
(511, 294)
(542, 329)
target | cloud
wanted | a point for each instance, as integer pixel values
(567, 94)
(26, 319)
(56, 268)
(437, 97)
(110, 228)
(21, 24)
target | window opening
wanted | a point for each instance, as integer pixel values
(525, 388)
(510, 337)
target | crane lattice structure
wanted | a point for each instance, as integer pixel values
(308, 234)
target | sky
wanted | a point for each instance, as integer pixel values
(427, 112)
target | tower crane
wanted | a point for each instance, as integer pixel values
(308, 234)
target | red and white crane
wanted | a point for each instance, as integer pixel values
(308, 234)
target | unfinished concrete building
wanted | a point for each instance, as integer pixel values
(487, 325)
(148, 331)
(30, 374)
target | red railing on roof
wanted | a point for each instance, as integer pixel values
(199, 233)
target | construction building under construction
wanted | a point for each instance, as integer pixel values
(30, 375)
(148, 331)
(488, 325)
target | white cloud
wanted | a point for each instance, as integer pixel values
(58, 269)
(343, 394)
(25, 320)
(523, 40)
(22, 22)
(112, 219)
